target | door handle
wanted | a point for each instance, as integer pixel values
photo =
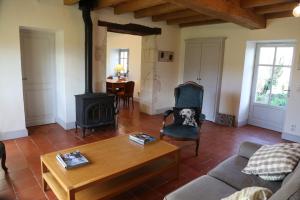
(24, 79)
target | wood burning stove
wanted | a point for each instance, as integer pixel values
(92, 109)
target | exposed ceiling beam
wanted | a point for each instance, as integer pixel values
(133, 29)
(174, 15)
(258, 3)
(70, 2)
(185, 20)
(224, 10)
(108, 3)
(135, 5)
(157, 10)
(279, 15)
(276, 8)
(213, 21)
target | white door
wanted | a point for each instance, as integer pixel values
(37, 57)
(270, 90)
(203, 64)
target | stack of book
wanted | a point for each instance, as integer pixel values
(72, 159)
(142, 138)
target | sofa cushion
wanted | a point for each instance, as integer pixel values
(203, 188)
(247, 149)
(229, 171)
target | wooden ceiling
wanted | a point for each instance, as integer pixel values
(251, 14)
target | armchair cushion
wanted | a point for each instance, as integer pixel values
(181, 131)
(186, 116)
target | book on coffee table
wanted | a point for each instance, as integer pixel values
(142, 138)
(72, 159)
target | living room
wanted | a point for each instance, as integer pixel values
(231, 89)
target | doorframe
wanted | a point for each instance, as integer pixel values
(255, 76)
(27, 31)
(220, 67)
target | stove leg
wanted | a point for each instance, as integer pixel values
(76, 127)
(83, 132)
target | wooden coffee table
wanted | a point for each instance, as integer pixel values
(117, 164)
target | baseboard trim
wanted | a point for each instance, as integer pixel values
(162, 110)
(65, 125)
(241, 123)
(13, 134)
(290, 137)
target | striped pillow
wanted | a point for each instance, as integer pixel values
(274, 159)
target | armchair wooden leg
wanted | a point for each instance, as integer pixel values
(3, 155)
(197, 146)
(162, 136)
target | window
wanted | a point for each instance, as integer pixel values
(124, 59)
(273, 68)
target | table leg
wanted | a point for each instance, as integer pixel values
(71, 195)
(44, 170)
(177, 160)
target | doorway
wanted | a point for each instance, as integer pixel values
(271, 83)
(124, 51)
(38, 75)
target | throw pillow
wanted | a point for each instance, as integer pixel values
(272, 177)
(186, 116)
(251, 193)
(278, 159)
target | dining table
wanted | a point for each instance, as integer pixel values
(115, 85)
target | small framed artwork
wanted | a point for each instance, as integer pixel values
(165, 56)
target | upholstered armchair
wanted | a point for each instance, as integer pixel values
(187, 95)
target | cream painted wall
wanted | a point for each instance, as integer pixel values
(44, 15)
(166, 72)
(134, 44)
(234, 58)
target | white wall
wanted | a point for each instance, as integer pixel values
(66, 22)
(245, 97)
(234, 57)
(117, 41)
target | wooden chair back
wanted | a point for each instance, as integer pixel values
(129, 88)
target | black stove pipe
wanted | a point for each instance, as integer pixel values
(86, 7)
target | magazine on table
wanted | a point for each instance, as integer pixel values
(142, 138)
(72, 159)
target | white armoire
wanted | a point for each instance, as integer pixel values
(203, 65)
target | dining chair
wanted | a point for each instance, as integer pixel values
(127, 94)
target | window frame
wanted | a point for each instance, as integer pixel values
(273, 65)
(120, 58)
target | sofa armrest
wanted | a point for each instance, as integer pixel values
(247, 149)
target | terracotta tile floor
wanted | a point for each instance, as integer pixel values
(217, 143)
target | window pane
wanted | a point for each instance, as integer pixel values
(266, 55)
(280, 85)
(263, 87)
(122, 54)
(284, 55)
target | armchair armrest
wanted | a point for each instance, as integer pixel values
(202, 117)
(247, 149)
(166, 115)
